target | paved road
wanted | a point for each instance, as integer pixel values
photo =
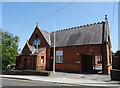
(17, 83)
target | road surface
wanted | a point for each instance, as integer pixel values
(18, 83)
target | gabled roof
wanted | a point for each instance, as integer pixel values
(31, 48)
(46, 36)
(39, 50)
(96, 33)
(81, 35)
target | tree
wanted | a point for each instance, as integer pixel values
(9, 49)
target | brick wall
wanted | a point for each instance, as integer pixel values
(68, 67)
(72, 55)
(26, 50)
(35, 62)
(49, 61)
(107, 65)
(26, 62)
(41, 63)
(116, 63)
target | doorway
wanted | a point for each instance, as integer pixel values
(91, 63)
(86, 63)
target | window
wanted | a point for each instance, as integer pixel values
(59, 56)
(42, 59)
(36, 41)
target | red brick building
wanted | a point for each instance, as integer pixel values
(79, 49)
(116, 60)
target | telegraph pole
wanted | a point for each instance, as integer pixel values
(54, 48)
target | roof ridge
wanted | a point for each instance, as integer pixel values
(78, 26)
(44, 31)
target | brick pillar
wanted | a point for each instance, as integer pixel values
(106, 48)
(104, 60)
(106, 56)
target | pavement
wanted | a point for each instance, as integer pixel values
(70, 78)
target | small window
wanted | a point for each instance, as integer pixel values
(42, 59)
(36, 41)
(59, 56)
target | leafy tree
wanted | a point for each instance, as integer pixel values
(9, 49)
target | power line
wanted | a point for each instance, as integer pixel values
(47, 16)
(44, 18)
(113, 13)
(53, 13)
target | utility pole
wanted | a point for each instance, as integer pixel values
(54, 49)
(37, 46)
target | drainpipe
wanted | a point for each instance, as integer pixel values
(102, 49)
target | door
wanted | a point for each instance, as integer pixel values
(86, 64)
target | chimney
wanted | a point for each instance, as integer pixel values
(105, 16)
(37, 25)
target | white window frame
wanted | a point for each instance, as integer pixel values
(59, 54)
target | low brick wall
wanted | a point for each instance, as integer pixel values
(26, 72)
(115, 74)
(68, 68)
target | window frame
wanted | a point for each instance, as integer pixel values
(58, 59)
